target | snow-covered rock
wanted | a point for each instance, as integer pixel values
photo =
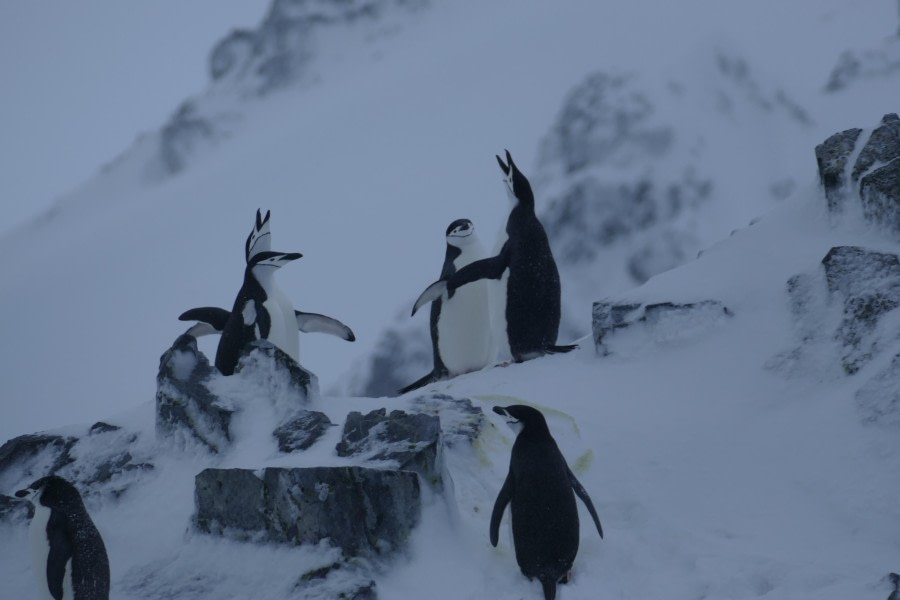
(363, 511)
(302, 432)
(196, 402)
(411, 441)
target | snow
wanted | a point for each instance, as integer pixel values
(716, 472)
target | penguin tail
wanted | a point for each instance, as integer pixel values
(560, 349)
(549, 586)
(418, 383)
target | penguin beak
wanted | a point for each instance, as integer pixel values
(503, 165)
(26, 493)
(500, 411)
(292, 256)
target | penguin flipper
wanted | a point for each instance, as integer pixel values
(486, 268)
(418, 383)
(503, 499)
(60, 553)
(316, 323)
(582, 493)
(213, 316)
(431, 293)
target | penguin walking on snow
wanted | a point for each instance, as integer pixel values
(529, 280)
(69, 557)
(460, 321)
(541, 489)
(212, 320)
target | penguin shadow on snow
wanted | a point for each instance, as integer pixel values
(527, 305)
(261, 310)
(68, 554)
(540, 490)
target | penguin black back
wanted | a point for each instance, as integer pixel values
(540, 489)
(74, 548)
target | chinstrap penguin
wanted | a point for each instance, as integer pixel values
(69, 557)
(540, 489)
(460, 320)
(259, 312)
(529, 303)
(211, 319)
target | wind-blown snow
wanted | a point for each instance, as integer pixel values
(716, 473)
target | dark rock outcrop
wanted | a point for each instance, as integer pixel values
(195, 402)
(876, 170)
(663, 320)
(363, 511)
(412, 441)
(460, 420)
(303, 431)
(29, 457)
(185, 407)
(868, 285)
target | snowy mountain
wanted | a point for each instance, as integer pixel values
(733, 405)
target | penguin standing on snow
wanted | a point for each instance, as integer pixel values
(541, 489)
(460, 321)
(212, 320)
(70, 561)
(529, 280)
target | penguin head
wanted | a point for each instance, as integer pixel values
(460, 233)
(517, 186)
(52, 492)
(523, 418)
(260, 238)
(269, 259)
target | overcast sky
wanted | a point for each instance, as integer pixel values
(69, 105)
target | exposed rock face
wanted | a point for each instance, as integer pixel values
(194, 402)
(184, 405)
(878, 400)
(106, 461)
(412, 441)
(660, 322)
(362, 511)
(868, 285)
(460, 420)
(302, 432)
(873, 178)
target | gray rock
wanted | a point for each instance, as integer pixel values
(365, 512)
(880, 194)
(460, 420)
(185, 407)
(339, 580)
(194, 402)
(663, 320)
(868, 285)
(878, 401)
(882, 146)
(832, 156)
(29, 457)
(13, 510)
(411, 441)
(302, 432)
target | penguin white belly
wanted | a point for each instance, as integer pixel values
(464, 329)
(498, 318)
(284, 324)
(40, 548)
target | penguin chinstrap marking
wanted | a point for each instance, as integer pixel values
(69, 557)
(211, 319)
(260, 311)
(461, 338)
(540, 489)
(529, 310)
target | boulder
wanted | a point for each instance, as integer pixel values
(832, 156)
(365, 512)
(661, 321)
(460, 420)
(867, 283)
(410, 441)
(196, 403)
(27, 458)
(880, 195)
(302, 432)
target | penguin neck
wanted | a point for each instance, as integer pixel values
(265, 276)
